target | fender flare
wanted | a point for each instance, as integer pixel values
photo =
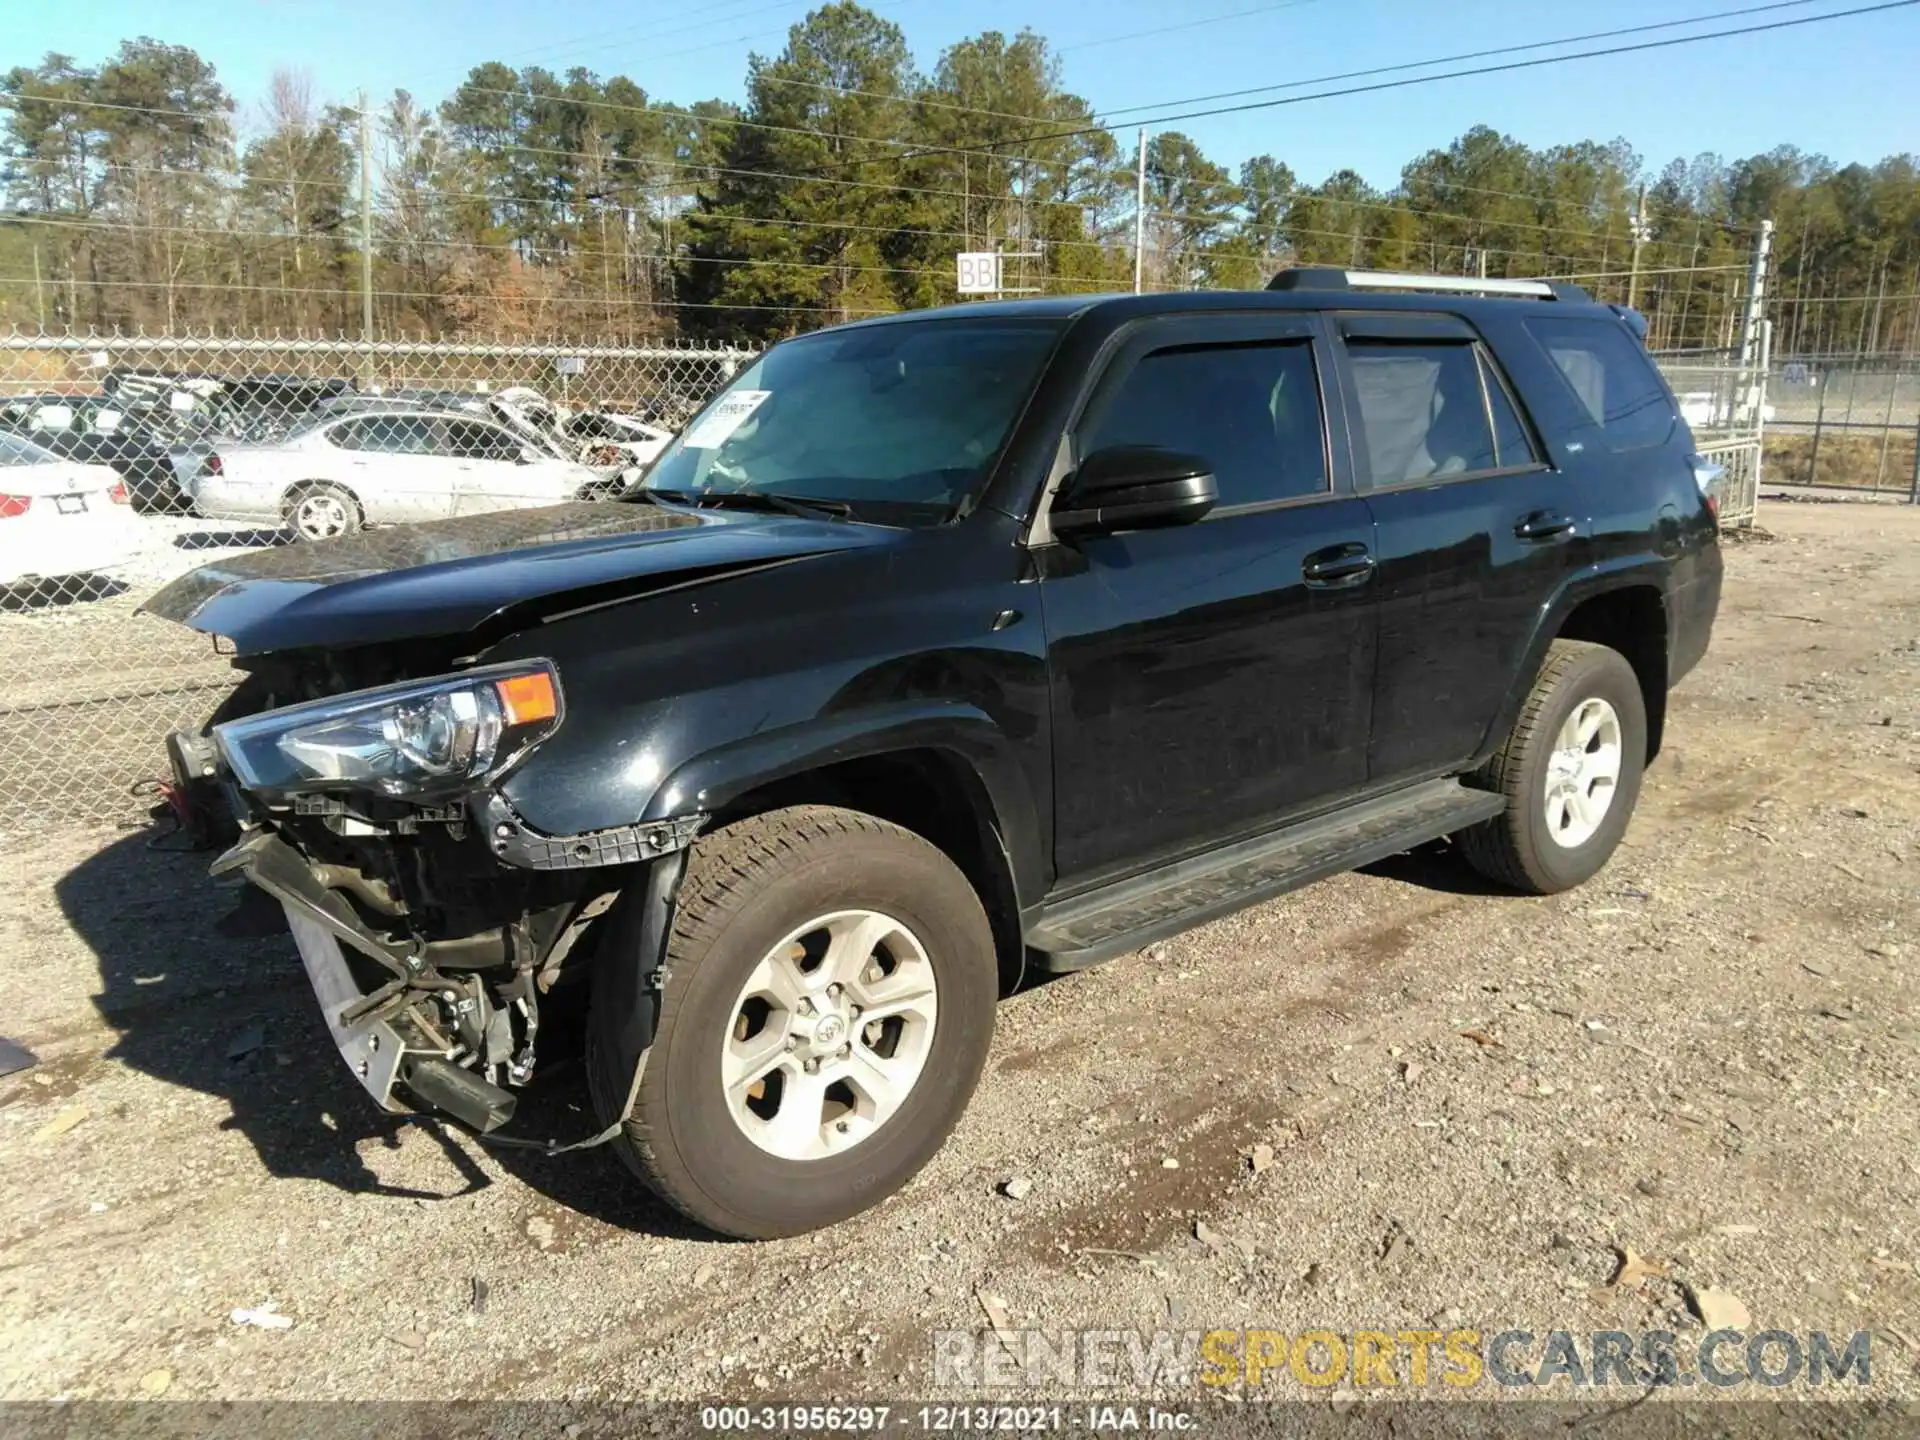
(1646, 570)
(713, 779)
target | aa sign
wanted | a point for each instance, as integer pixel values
(979, 272)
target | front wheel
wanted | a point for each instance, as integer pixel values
(1570, 770)
(321, 511)
(828, 1007)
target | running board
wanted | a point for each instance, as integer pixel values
(1115, 919)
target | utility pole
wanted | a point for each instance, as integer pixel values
(1756, 296)
(39, 295)
(366, 223)
(1639, 240)
(1140, 212)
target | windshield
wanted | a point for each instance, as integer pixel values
(897, 422)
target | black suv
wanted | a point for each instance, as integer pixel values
(941, 646)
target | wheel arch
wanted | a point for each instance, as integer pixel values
(945, 771)
(939, 792)
(1622, 607)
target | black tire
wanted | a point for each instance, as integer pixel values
(290, 508)
(746, 887)
(1518, 848)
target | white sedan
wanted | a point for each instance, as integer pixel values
(58, 517)
(387, 467)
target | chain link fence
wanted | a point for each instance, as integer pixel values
(127, 462)
(1847, 422)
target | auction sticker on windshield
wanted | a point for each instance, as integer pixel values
(729, 413)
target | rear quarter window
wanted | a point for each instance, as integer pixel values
(1611, 378)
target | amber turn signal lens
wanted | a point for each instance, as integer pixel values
(527, 698)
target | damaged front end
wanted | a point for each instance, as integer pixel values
(432, 920)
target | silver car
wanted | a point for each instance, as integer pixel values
(387, 467)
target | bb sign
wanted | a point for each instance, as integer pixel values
(979, 272)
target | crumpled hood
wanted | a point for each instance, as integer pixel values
(449, 577)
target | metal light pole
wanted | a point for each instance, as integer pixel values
(366, 221)
(1639, 242)
(1140, 212)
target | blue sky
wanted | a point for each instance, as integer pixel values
(1846, 88)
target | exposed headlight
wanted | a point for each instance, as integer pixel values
(416, 739)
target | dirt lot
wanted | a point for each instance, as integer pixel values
(1709, 1055)
(1862, 460)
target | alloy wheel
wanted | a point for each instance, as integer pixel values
(1582, 773)
(829, 1035)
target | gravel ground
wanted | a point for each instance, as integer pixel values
(1707, 1055)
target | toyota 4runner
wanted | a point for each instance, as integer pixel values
(942, 646)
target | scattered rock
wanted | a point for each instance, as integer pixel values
(1410, 1071)
(1652, 1186)
(409, 1339)
(1169, 1163)
(1719, 1309)
(1740, 1118)
(1341, 1401)
(61, 1123)
(998, 1316)
(1017, 1188)
(156, 1382)
(1481, 1038)
(1634, 1271)
(1316, 1275)
(540, 1231)
(477, 1293)
(1394, 1246)
(1222, 1244)
(702, 1277)
(1260, 1157)
(264, 1316)
(1816, 967)
(246, 1042)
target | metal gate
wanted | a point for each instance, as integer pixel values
(1725, 403)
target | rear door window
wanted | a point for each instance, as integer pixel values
(390, 434)
(1251, 411)
(1611, 376)
(1423, 411)
(473, 440)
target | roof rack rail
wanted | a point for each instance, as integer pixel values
(1323, 277)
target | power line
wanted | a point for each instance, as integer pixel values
(568, 252)
(527, 300)
(1463, 56)
(551, 50)
(1508, 67)
(1183, 25)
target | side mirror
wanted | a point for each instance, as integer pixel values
(1134, 487)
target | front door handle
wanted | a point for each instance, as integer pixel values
(1544, 525)
(1337, 567)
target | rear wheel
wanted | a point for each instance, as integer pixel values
(1570, 770)
(827, 1013)
(320, 510)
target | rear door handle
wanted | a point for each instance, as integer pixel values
(1544, 525)
(1337, 567)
